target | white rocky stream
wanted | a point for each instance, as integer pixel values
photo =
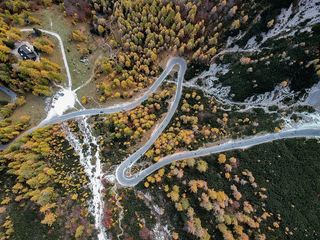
(88, 150)
(86, 147)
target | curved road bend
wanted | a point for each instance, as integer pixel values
(129, 181)
(175, 61)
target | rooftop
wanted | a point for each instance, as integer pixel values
(27, 53)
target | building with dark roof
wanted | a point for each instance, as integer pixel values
(27, 53)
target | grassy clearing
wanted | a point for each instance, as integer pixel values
(4, 98)
(35, 107)
(53, 19)
(55, 57)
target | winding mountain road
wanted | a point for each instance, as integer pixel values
(129, 181)
(128, 105)
(122, 169)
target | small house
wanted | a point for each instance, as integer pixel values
(27, 53)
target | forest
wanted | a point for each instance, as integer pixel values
(247, 194)
(148, 31)
(251, 194)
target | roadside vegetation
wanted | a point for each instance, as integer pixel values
(258, 193)
(288, 62)
(43, 179)
(199, 121)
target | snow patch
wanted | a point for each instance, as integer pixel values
(306, 120)
(62, 101)
(208, 83)
(290, 21)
